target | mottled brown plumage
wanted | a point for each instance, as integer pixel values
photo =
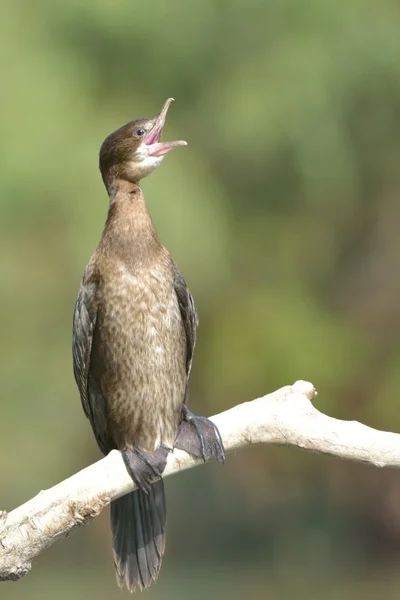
(139, 345)
(134, 335)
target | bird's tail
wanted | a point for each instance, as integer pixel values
(138, 535)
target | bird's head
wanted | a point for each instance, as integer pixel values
(134, 150)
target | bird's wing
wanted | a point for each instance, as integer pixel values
(85, 316)
(84, 329)
(189, 315)
(197, 435)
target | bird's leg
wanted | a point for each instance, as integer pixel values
(200, 437)
(145, 467)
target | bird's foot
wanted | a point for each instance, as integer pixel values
(145, 467)
(200, 437)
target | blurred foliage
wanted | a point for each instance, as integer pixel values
(283, 215)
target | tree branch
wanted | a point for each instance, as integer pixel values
(285, 417)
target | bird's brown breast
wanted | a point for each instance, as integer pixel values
(138, 354)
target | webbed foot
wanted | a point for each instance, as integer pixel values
(200, 437)
(145, 467)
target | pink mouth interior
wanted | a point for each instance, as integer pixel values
(154, 135)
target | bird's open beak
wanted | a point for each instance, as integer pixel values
(155, 147)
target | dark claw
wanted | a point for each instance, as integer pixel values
(200, 437)
(145, 467)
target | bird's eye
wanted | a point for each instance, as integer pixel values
(140, 131)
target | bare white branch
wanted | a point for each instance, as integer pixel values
(285, 417)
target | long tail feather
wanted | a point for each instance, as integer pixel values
(138, 532)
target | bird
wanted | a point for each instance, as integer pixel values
(134, 334)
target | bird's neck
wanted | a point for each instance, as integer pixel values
(129, 232)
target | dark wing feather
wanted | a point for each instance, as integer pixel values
(197, 435)
(85, 316)
(84, 327)
(189, 315)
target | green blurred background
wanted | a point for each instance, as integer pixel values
(283, 214)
